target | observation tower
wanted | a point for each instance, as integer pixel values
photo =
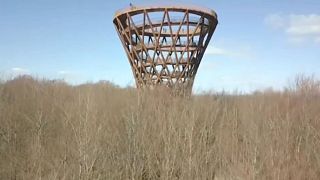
(165, 44)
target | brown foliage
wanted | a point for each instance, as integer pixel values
(51, 130)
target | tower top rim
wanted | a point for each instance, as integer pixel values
(133, 10)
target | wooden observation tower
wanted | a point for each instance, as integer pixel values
(165, 44)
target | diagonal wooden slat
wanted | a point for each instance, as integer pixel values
(199, 45)
(141, 42)
(131, 54)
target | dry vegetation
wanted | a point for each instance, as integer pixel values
(50, 130)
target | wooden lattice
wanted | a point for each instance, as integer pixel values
(165, 45)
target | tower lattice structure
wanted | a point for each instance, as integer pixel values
(165, 44)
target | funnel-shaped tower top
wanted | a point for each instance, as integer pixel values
(165, 44)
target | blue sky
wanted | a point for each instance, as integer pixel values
(257, 44)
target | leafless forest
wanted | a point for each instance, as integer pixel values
(51, 130)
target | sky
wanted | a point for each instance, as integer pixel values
(258, 44)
